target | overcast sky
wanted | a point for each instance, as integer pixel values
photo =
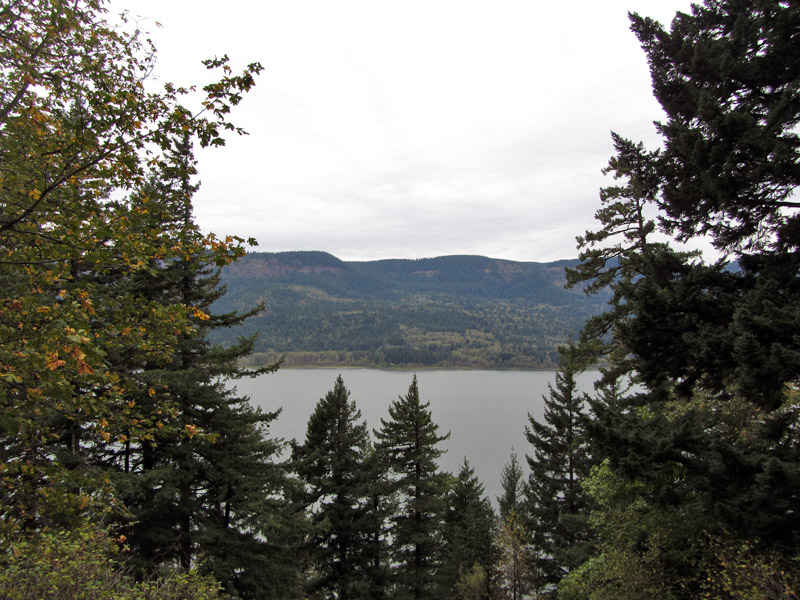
(388, 129)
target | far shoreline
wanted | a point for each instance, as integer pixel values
(411, 368)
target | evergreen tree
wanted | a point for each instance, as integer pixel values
(334, 466)
(726, 76)
(513, 486)
(207, 483)
(408, 443)
(730, 169)
(556, 504)
(470, 528)
(382, 504)
(708, 431)
(619, 256)
(515, 561)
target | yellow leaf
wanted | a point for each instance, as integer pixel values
(53, 362)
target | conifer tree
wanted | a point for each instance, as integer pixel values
(620, 255)
(729, 170)
(515, 561)
(709, 346)
(408, 442)
(470, 528)
(555, 503)
(513, 486)
(207, 483)
(725, 74)
(382, 501)
(334, 467)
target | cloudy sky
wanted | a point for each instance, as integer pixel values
(388, 129)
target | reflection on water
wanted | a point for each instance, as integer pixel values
(484, 411)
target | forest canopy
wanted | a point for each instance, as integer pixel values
(444, 312)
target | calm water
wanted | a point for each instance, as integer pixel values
(484, 411)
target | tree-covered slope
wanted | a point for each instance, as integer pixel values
(445, 311)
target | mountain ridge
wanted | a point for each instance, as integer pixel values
(447, 311)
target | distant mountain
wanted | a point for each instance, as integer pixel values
(450, 311)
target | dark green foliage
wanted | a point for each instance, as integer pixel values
(675, 328)
(338, 475)
(605, 253)
(205, 483)
(763, 340)
(515, 564)
(382, 503)
(613, 258)
(470, 528)
(703, 445)
(556, 505)
(675, 320)
(513, 486)
(407, 442)
(247, 537)
(726, 75)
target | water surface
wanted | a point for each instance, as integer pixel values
(484, 411)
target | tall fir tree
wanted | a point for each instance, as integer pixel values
(207, 483)
(382, 504)
(708, 432)
(470, 530)
(408, 443)
(729, 170)
(726, 74)
(515, 559)
(512, 484)
(337, 471)
(556, 504)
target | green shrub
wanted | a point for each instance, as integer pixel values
(87, 564)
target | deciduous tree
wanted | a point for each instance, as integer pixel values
(108, 387)
(77, 125)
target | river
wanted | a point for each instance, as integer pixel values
(484, 411)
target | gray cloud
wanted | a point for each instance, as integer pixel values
(417, 129)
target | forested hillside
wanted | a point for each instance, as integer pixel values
(464, 311)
